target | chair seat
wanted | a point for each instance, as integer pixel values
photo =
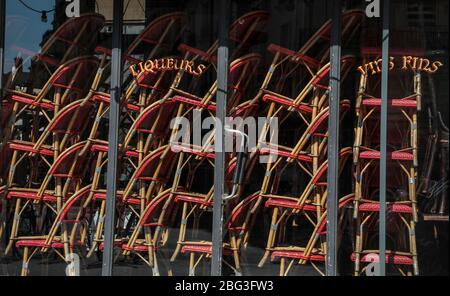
(137, 248)
(290, 204)
(129, 200)
(194, 102)
(106, 99)
(29, 147)
(191, 149)
(117, 243)
(104, 148)
(193, 199)
(42, 243)
(288, 103)
(283, 152)
(32, 101)
(390, 207)
(400, 103)
(26, 193)
(396, 155)
(296, 254)
(391, 258)
(204, 248)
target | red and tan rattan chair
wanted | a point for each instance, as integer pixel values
(194, 165)
(405, 109)
(76, 37)
(68, 170)
(309, 151)
(156, 40)
(312, 252)
(63, 130)
(69, 83)
(287, 65)
(67, 234)
(241, 32)
(311, 203)
(237, 229)
(402, 162)
(145, 241)
(151, 175)
(402, 248)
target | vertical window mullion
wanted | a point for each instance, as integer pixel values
(113, 134)
(383, 136)
(223, 10)
(333, 139)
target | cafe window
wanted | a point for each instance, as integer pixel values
(273, 63)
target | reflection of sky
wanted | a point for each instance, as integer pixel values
(24, 29)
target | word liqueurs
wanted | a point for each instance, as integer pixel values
(407, 62)
(167, 64)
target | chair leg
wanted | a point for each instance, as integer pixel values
(3, 206)
(12, 168)
(25, 260)
(358, 246)
(181, 234)
(192, 264)
(237, 264)
(413, 246)
(155, 267)
(99, 230)
(271, 237)
(282, 265)
(15, 226)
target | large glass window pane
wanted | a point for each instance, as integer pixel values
(418, 137)
(51, 71)
(417, 166)
(278, 223)
(54, 138)
(165, 176)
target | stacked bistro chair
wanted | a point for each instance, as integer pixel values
(306, 72)
(76, 37)
(241, 32)
(308, 60)
(148, 108)
(57, 125)
(313, 251)
(193, 159)
(309, 151)
(38, 127)
(44, 128)
(286, 68)
(54, 150)
(315, 190)
(156, 40)
(145, 142)
(67, 233)
(402, 166)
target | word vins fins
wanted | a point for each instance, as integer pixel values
(407, 62)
